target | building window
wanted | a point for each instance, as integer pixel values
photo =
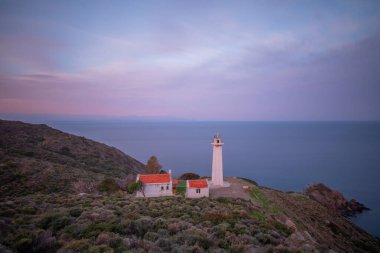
(162, 188)
(198, 190)
(167, 187)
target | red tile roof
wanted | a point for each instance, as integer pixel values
(199, 183)
(175, 181)
(155, 178)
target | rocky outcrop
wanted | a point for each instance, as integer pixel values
(334, 200)
(317, 227)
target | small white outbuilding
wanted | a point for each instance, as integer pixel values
(155, 185)
(197, 188)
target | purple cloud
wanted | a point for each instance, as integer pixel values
(224, 62)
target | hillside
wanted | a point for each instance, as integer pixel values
(315, 227)
(37, 158)
(267, 221)
(43, 169)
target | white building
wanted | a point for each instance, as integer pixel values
(197, 188)
(155, 185)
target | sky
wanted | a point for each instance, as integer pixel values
(192, 60)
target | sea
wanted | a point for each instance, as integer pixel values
(283, 155)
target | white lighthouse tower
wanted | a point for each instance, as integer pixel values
(217, 162)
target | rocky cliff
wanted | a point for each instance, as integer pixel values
(334, 200)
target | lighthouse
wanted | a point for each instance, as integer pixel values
(217, 162)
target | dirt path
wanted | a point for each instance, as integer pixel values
(234, 191)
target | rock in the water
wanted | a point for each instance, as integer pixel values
(334, 200)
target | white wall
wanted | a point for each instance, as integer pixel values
(217, 166)
(192, 192)
(154, 190)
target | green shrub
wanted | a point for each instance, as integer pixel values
(138, 227)
(164, 244)
(7, 212)
(159, 223)
(181, 187)
(216, 218)
(60, 223)
(197, 236)
(45, 242)
(133, 187)
(66, 151)
(100, 249)
(151, 236)
(94, 229)
(237, 248)
(74, 230)
(103, 238)
(281, 228)
(189, 176)
(75, 212)
(28, 210)
(56, 221)
(223, 200)
(24, 244)
(258, 216)
(118, 213)
(108, 185)
(82, 245)
(263, 238)
(117, 245)
(29, 153)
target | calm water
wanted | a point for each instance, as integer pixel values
(283, 155)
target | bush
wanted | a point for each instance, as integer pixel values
(82, 245)
(151, 236)
(217, 218)
(117, 244)
(28, 210)
(103, 238)
(223, 200)
(94, 229)
(258, 215)
(195, 235)
(133, 187)
(29, 153)
(160, 223)
(138, 227)
(263, 238)
(164, 244)
(45, 242)
(76, 212)
(56, 221)
(100, 249)
(189, 176)
(108, 185)
(24, 244)
(66, 151)
(282, 228)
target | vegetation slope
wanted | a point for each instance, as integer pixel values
(39, 211)
(270, 221)
(37, 158)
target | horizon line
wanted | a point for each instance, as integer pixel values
(49, 117)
